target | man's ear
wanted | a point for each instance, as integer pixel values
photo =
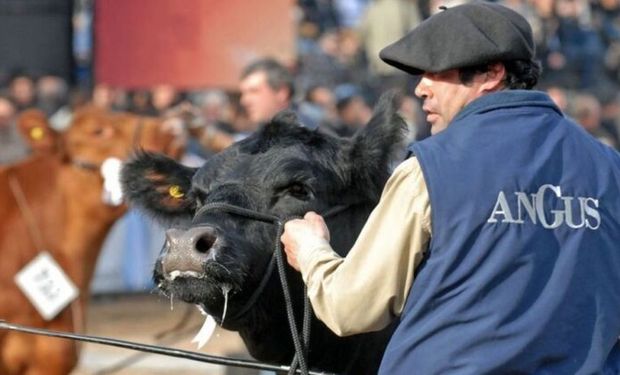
(494, 78)
(159, 186)
(283, 94)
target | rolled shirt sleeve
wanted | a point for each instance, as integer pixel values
(364, 291)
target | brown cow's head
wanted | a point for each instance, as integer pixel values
(99, 140)
(36, 131)
(96, 135)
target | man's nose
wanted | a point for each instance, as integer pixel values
(422, 90)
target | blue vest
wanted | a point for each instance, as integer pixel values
(522, 275)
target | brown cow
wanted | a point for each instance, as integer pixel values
(53, 201)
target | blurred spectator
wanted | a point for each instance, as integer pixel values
(321, 13)
(107, 97)
(209, 124)
(352, 58)
(350, 11)
(559, 97)
(164, 97)
(323, 100)
(323, 66)
(611, 114)
(216, 109)
(140, 103)
(385, 22)
(576, 50)
(12, 147)
(266, 88)
(52, 93)
(353, 112)
(102, 96)
(22, 91)
(587, 112)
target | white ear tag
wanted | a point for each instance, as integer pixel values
(206, 331)
(111, 172)
(46, 285)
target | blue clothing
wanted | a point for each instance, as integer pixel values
(522, 275)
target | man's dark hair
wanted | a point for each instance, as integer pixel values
(277, 74)
(520, 74)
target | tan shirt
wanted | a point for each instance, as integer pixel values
(366, 290)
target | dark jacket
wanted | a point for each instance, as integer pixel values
(523, 271)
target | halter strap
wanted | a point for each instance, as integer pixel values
(301, 348)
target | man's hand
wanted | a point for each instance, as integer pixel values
(310, 229)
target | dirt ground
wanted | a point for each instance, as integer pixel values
(140, 318)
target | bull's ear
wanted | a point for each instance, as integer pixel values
(158, 186)
(376, 146)
(36, 131)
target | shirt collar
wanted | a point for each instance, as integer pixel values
(507, 99)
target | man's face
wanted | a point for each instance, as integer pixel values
(260, 101)
(7, 113)
(444, 96)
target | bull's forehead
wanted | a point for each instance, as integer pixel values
(274, 166)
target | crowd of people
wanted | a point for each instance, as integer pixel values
(338, 76)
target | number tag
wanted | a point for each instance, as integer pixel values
(46, 285)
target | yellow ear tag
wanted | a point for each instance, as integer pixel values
(175, 192)
(37, 133)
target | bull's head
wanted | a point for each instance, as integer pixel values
(282, 170)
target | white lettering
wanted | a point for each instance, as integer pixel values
(534, 208)
(592, 212)
(501, 208)
(568, 209)
(540, 207)
(524, 202)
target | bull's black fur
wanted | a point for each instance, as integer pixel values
(286, 170)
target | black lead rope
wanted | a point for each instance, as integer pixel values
(178, 353)
(300, 360)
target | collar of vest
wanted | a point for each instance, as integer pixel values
(507, 99)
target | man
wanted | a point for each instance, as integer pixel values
(13, 147)
(266, 88)
(497, 244)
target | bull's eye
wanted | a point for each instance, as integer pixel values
(298, 191)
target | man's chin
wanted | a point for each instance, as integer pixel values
(437, 127)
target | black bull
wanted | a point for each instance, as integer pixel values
(283, 170)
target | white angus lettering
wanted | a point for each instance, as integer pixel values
(568, 209)
(532, 206)
(501, 208)
(592, 212)
(540, 207)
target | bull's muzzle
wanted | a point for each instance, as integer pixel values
(187, 250)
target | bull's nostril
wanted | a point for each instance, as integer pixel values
(205, 242)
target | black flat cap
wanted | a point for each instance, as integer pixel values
(465, 35)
